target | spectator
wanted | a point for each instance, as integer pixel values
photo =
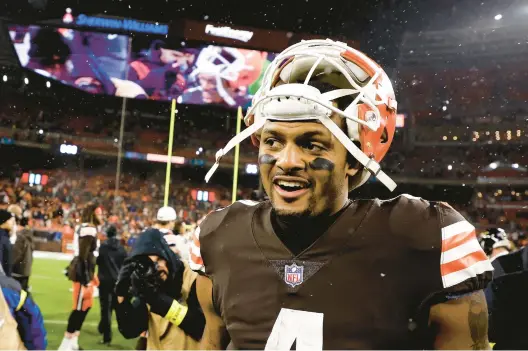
(166, 222)
(110, 259)
(23, 323)
(22, 248)
(7, 228)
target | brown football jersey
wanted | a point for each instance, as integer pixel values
(367, 283)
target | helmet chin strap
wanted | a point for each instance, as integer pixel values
(237, 139)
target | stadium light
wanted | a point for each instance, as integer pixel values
(449, 167)
(515, 165)
(455, 138)
(493, 165)
(26, 81)
(4, 78)
(116, 140)
(444, 138)
(48, 84)
(444, 108)
(68, 149)
(41, 131)
(251, 168)
(498, 17)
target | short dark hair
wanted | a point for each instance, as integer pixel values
(162, 222)
(111, 232)
(342, 102)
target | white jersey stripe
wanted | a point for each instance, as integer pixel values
(460, 251)
(467, 273)
(195, 266)
(456, 228)
(195, 250)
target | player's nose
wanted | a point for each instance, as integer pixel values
(290, 159)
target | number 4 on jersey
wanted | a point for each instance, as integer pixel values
(291, 325)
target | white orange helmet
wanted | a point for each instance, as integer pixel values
(224, 63)
(370, 117)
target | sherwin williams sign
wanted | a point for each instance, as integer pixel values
(124, 24)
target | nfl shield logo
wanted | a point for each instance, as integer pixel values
(293, 275)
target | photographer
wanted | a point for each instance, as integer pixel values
(157, 292)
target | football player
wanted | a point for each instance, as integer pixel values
(495, 243)
(310, 267)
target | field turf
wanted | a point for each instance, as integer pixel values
(51, 290)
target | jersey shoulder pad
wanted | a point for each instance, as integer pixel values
(414, 220)
(209, 227)
(438, 227)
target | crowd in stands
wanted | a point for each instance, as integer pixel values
(191, 141)
(57, 206)
(457, 162)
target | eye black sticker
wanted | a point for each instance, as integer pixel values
(322, 164)
(266, 159)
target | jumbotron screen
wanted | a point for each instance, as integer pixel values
(100, 63)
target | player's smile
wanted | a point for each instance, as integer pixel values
(291, 188)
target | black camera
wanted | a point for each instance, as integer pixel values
(145, 277)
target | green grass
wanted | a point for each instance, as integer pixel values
(51, 290)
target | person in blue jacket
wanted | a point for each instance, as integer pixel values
(26, 313)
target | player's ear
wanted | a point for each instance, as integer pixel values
(351, 170)
(352, 165)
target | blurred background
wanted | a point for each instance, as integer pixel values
(72, 73)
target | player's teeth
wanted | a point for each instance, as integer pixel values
(291, 184)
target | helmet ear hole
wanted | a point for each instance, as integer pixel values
(384, 136)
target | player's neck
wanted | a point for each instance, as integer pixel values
(298, 233)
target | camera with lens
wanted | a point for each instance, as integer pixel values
(145, 278)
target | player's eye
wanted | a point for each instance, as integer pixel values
(313, 147)
(271, 142)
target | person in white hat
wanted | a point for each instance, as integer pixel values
(166, 220)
